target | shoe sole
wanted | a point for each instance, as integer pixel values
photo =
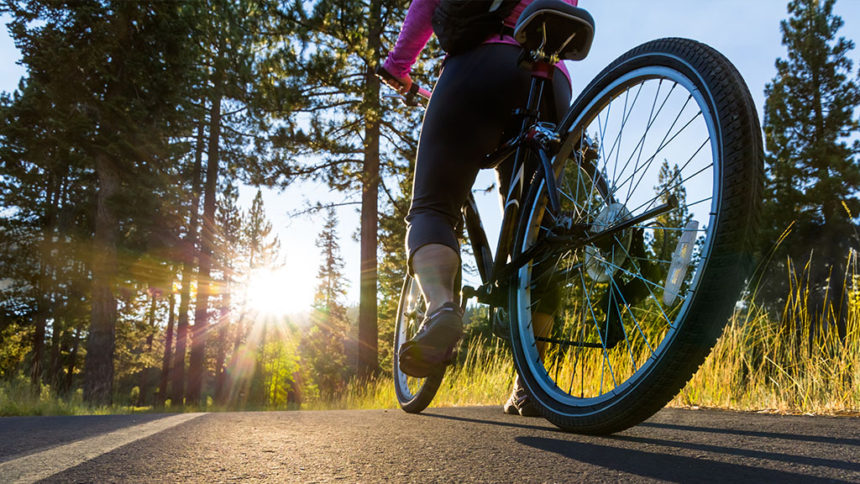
(431, 351)
(420, 361)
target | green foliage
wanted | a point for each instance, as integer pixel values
(669, 184)
(813, 173)
(324, 346)
(13, 349)
(392, 266)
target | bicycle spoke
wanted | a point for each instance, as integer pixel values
(635, 322)
(605, 360)
(626, 117)
(663, 144)
(620, 320)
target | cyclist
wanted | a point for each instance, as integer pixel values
(469, 114)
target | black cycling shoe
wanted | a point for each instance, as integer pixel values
(433, 347)
(520, 402)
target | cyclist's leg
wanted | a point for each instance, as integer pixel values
(554, 106)
(465, 119)
(547, 296)
(466, 116)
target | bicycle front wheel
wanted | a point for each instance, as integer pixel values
(413, 394)
(665, 142)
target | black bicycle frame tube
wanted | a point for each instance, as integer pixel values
(478, 239)
(518, 181)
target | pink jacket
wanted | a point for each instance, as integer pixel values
(417, 29)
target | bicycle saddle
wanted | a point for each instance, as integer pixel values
(569, 30)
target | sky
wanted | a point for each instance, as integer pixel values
(745, 31)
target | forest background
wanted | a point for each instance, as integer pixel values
(151, 144)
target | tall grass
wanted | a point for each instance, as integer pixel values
(791, 364)
(795, 364)
(18, 398)
(482, 377)
(781, 366)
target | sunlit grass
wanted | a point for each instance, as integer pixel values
(760, 363)
(18, 399)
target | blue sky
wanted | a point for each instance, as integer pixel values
(745, 31)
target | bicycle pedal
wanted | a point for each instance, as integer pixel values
(501, 323)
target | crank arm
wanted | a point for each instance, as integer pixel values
(671, 204)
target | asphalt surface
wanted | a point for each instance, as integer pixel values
(440, 445)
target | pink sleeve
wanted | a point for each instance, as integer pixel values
(414, 34)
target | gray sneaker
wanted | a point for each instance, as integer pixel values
(433, 346)
(520, 402)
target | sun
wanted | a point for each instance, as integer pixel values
(277, 292)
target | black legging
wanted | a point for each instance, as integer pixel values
(469, 115)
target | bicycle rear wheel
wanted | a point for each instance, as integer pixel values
(413, 394)
(677, 154)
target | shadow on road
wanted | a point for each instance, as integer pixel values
(662, 465)
(755, 433)
(741, 452)
(494, 422)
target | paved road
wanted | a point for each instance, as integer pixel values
(441, 445)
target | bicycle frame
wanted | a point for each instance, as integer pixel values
(533, 138)
(542, 140)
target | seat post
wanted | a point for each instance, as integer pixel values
(541, 73)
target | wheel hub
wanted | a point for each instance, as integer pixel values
(603, 260)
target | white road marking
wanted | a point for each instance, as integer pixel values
(41, 465)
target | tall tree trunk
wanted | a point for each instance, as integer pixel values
(72, 361)
(98, 366)
(43, 285)
(367, 325)
(258, 391)
(143, 384)
(168, 348)
(223, 336)
(54, 368)
(38, 338)
(196, 367)
(58, 326)
(178, 382)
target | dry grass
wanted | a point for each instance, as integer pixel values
(779, 365)
(759, 364)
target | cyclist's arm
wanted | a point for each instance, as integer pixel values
(414, 35)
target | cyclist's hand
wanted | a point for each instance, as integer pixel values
(399, 84)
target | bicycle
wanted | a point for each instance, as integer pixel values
(645, 277)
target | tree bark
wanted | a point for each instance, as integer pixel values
(43, 283)
(56, 344)
(168, 348)
(223, 336)
(143, 384)
(58, 326)
(196, 366)
(367, 324)
(72, 361)
(178, 382)
(98, 365)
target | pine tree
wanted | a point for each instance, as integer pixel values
(331, 289)
(238, 92)
(323, 347)
(262, 252)
(112, 73)
(813, 173)
(227, 259)
(350, 136)
(670, 183)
